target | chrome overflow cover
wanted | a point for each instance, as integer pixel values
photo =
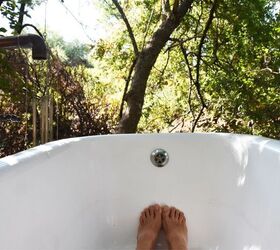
(159, 157)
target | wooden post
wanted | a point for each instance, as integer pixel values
(34, 121)
(44, 119)
(50, 119)
(46, 124)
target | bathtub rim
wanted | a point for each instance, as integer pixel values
(46, 149)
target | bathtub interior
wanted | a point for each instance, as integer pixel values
(87, 193)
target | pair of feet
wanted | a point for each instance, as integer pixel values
(170, 219)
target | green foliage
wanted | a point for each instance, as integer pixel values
(72, 53)
(76, 114)
(239, 71)
(9, 10)
(14, 11)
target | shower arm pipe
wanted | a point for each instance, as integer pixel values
(35, 42)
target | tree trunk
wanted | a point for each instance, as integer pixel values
(20, 18)
(145, 61)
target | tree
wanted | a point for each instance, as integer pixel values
(218, 46)
(15, 11)
(145, 60)
(72, 53)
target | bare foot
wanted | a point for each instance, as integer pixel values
(175, 228)
(149, 226)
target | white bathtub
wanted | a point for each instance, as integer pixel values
(87, 193)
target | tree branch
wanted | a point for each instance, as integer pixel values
(197, 119)
(147, 28)
(136, 52)
(178, 41)
(165, 9)
(183, 50)
(198, 21)
(129, 29)
(175, 6)
(199, 56)
(164, 68)
(176, 126)
(126, 86)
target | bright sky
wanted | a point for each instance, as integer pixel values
(84, 24)
(73, 20)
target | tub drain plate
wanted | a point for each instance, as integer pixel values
(159, 157)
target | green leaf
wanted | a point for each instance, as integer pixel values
(3, 30)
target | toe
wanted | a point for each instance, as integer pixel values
(177, 214)
(142, 218)
(172, 212)
(151, 211)
(181, 216)
(157, 207)
(165, 211)
(147, 213)
(157, 211)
